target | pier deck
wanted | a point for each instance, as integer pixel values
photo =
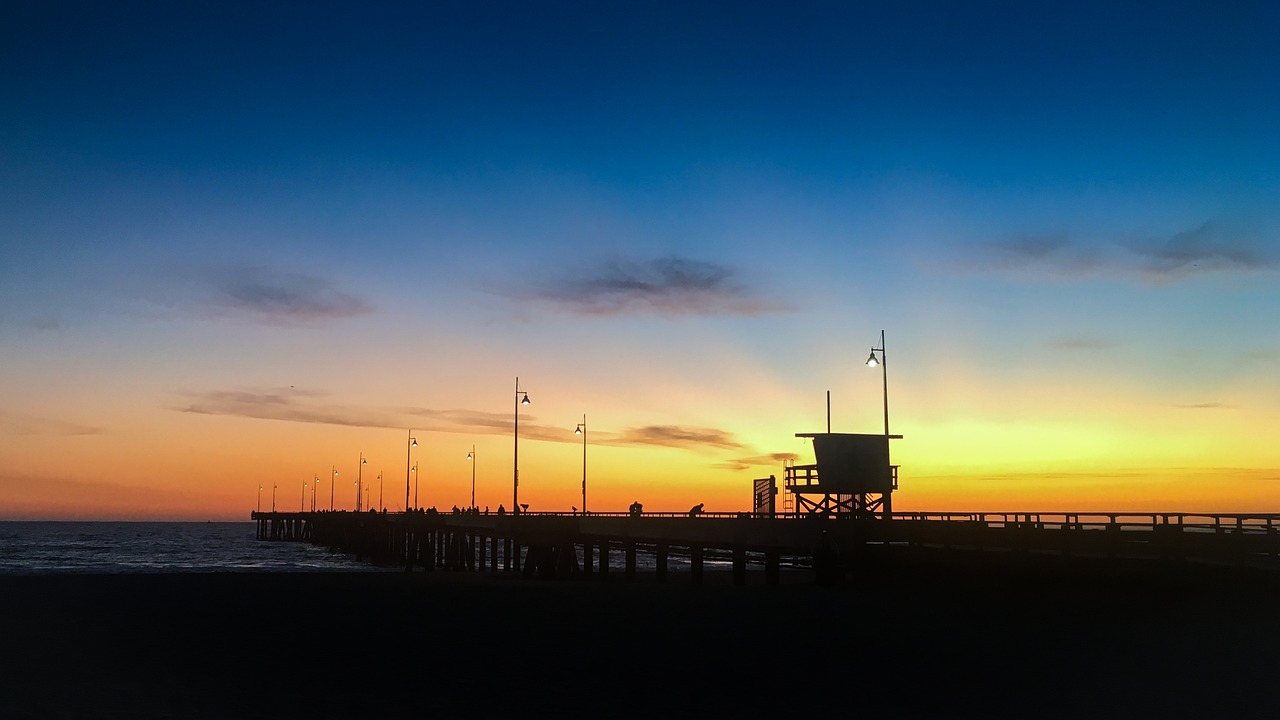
(563, 544)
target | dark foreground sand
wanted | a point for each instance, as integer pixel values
(914, 636)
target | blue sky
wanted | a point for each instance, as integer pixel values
(1073, 203)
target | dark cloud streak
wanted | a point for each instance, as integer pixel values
(268, 296)
(1211, 248)
(670, 286)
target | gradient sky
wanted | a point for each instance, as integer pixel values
(245, 244)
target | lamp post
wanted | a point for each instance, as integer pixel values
(360, 480)
(472, 457)
(408, 451)
(315, 483)
(273, 496)
(415, 485)
(582, 430)
(872, 361)
(259, 498)
(302, 507)
(333, 481)
(522, 398)
(381, 507)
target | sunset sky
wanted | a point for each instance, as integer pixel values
(245, 244)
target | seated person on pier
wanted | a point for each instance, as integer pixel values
(696, 510)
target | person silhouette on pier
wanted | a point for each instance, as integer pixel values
(696, 510)
(501, 510)
(636, 508)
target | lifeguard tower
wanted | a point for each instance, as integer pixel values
(852, 476)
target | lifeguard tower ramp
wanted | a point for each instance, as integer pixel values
(852, 476)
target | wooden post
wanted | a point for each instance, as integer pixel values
(771, 567)
(739, 565)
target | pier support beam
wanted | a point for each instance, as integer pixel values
(739, 566)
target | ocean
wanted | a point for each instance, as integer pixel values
(151, 547)
(31, 547)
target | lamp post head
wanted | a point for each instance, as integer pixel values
(577, 430)
(363, 461)
(872, 360)
(413, 442)
(524, 400)
(470, 456)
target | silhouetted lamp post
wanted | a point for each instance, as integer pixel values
(302, 506)
(410, 444)
(259, 498)
(415, 485)
(522, 398)
(873, 361)
(472, 457)
(582, 430)
(360, 480)
(381, 507)
(333, 481)
(315, 483)
(273, 496)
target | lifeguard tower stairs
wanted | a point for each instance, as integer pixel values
(852, 476)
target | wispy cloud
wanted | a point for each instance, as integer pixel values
(677, 436)
(670, 286)
(1083, 344)
(11, 424)
(1203, 406)
(272, 296)
(285, 404)
(311, 406)
(489, 423)
(1212, 248)
(746, 463)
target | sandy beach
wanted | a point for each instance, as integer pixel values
(998, 636)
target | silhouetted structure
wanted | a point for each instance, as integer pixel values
(764, 498)
(852, 476)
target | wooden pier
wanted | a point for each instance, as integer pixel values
(563, 545)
